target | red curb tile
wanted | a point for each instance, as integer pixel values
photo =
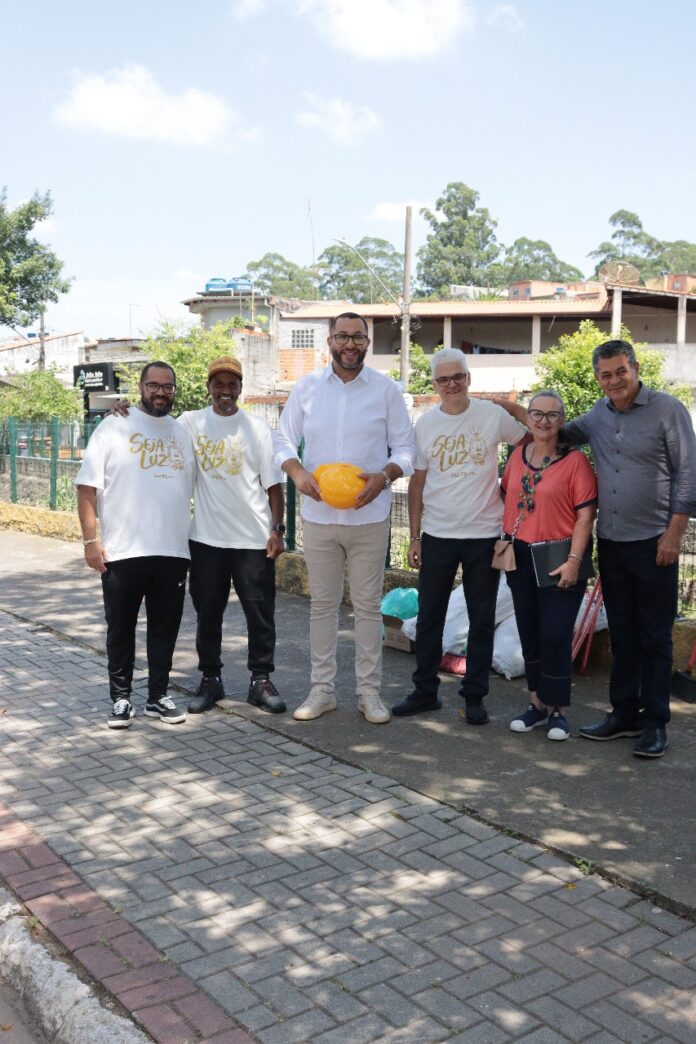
(203, 1013)
(12, 863)
(49, 908)
(234, 1036)
(129, 980)
(164, 1024)
(39, 855)
(38, 888)
(158, 993)
(137, 949)
(75, 922)
(75, 940)
(83, 899)
(100, 961)
(48, 872)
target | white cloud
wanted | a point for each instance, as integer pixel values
(505, 16)
(341, 121)
(242, 10)
(129, 103)
(396, 212)
(389, 28)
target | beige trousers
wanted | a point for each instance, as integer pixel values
(328, 550)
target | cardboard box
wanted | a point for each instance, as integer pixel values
(393, 636)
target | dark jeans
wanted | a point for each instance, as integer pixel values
(641, 602)
(545, 620)
(213, 571)
(161, 581)
(440, 560)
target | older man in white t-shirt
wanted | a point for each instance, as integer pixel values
(455, 515)
(137, 476)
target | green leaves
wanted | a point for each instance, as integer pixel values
(30, 273)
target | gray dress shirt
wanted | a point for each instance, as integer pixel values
(645, 458)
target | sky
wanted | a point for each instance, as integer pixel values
(179, 141)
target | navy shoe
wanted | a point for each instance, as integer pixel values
(531, 719)
(474, 713)
(652, 743)
(558, 727)
(611, 728)
(415, 703)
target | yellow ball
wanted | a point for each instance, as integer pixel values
(339, 484)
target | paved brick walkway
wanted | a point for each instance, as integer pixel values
(302, 898)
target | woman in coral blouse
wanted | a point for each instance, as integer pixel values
(550, 493)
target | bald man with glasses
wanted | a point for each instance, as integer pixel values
(455, 517)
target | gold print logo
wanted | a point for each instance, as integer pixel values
(226, 455)
(157, 453)
(451, 451)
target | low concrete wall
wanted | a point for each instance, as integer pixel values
(292, 574)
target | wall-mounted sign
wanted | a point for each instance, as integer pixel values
(95, 377)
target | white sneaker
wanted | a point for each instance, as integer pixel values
(373, 709)
(316, 704)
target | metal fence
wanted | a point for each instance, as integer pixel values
(39, 462)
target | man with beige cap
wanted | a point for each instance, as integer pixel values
(236, 535)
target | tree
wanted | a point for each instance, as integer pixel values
(462, 246)
(567, 369)
(274, 274)
(343, 276)
(30, 273)
(189, 349)
(679, 257)
(420, 379)
(533, 259)
(38, 396)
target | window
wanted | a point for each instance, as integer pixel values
(302, 337)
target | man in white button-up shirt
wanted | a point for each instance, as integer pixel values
(351, 413)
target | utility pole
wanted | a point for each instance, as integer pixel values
(41, 364)
(406, 306)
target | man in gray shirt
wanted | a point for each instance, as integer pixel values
(644, 450)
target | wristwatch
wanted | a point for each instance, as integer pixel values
(278, 528)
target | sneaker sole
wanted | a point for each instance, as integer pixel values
(280, 709)
(162, 717)
(558, 738)
(627, 733)
(409, 711)
(298, 716)
(529, 728)
(120, 724)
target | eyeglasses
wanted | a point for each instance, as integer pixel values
(539, 415)
(153, 386)
(342, 339)
(456, 378)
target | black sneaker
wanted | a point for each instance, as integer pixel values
(165, 709)
(121, 714)
(206, 695)
(474, 713)
(611, 728)
(263, 694)
(415, 703)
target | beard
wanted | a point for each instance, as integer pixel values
(156, 411)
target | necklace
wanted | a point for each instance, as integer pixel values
(530, 482)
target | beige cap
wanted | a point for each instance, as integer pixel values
(226, 363)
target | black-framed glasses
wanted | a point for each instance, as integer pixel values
(153, 386)
(540, 415)
(456, 378)
(342, 339)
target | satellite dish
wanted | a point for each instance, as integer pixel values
(620, 272)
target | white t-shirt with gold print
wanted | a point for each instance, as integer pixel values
(234, 469)
(143, 469)
(459, 452)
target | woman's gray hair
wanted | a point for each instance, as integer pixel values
(448, 355)
(550, 393)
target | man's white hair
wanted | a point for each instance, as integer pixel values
(448, 355)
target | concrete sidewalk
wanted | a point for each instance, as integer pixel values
(224, 873)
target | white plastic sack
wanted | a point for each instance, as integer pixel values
(456, 632)
(507, 650)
